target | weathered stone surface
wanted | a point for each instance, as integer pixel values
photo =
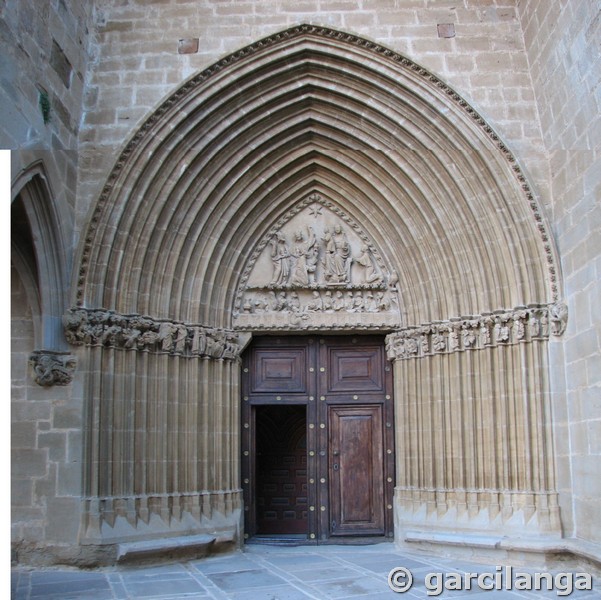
(459, 178)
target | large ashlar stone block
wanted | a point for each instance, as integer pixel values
(63, 525)
(27, 462)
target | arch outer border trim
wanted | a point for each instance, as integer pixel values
(326, 33)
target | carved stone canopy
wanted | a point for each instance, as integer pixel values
(316, 269)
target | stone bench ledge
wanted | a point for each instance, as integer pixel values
(198, 545)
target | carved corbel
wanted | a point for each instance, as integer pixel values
(558, 314)
(52, 368)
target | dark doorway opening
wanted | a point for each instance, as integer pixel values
(281, 469)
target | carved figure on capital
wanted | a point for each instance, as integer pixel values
(395, 346)
(424, 341)
(215, 344)
(502, 330)
(533, 325)
(453, 338)
(439, 343)
(411, 347)
(485, 326)
(519, 325)
(199, 341)
(166, 337)
(232, 348)
(75, 324)
(468, 337)
(181, 339)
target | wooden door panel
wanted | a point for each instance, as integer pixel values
(281, 370)
(356, 470)
(355, 370)
(339, 481)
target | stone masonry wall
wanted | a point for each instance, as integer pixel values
(45, 449)
(43, 60)
(564, 51)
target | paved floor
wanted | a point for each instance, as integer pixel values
(284, 573)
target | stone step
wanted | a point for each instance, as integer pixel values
(186, 545)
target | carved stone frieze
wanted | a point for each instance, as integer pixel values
(316, 269)
(52, 368)
(99, 327)
(523, 324)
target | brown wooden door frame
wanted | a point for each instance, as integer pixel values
(324, 373)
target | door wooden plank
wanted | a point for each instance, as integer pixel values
(356, 470)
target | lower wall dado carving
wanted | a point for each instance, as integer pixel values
(118, 519)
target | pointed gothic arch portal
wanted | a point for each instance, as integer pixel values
(272, 149)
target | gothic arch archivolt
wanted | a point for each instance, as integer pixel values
(315, 111)
(204, 184)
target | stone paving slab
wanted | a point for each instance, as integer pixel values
(269, 573)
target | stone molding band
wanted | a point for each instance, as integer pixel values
(100, 327)
(500, 328)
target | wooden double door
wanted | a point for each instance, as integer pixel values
(317, 438)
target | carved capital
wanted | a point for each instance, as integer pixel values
(52, 368)
(100, 327)
(504, 327)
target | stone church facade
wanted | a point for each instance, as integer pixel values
(360, 238)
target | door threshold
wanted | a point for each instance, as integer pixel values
(293, 539)
(281, 539)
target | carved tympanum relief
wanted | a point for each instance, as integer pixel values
(317, 269)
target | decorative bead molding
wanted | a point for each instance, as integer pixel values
(52, 368)
(304, 30)
(501, 328)
(99, 327)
